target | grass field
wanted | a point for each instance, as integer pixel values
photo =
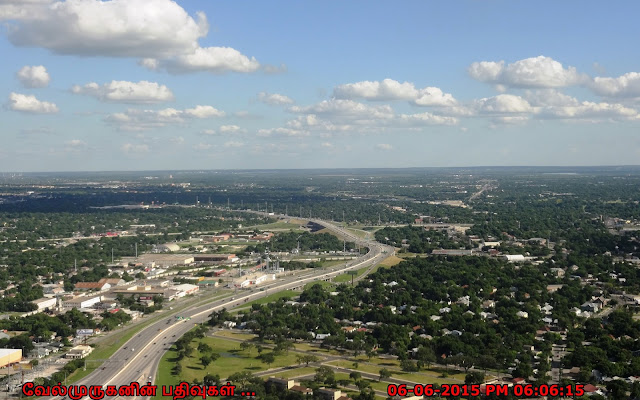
(425, 376)
(232, 360)
(346, 278)
(326, 285)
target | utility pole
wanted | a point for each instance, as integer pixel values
(136, 244)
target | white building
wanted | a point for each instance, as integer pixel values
(81, 302)
(186, 289)
(45, 303)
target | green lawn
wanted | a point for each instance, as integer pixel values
(425, 376)
(232, 360)
(324, 284)
(346, 278)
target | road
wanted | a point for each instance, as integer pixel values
(138, 359)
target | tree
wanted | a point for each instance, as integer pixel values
(205, 360)
(384, 374)
(325, 375)
(267, 358)
(204, 348)
(306, 358)
(355, 376)
(246, 345)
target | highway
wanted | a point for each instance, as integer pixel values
(138, 359)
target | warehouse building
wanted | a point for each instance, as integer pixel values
(10, 357)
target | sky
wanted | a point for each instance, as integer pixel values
(91, 85)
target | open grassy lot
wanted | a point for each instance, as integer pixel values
(346, 278)
(234, 335)
(231, 360)
(425, 376)
(326, 285)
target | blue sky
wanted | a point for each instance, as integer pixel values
(157, 84)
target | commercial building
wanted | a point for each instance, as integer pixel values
(45, 303)
(215, 258)
(167, 247)
(186, 289)
(78, 352)
(81, 302)
(10, 357)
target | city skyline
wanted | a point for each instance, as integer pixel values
(163, 85)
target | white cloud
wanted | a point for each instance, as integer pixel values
(384, 146)
(75, 145)
(389, 89)
(131, 148)
(346, 108)
(29, 104)
(503, 104)
(34, 76)
(433, 96)
(627, 85)
(231, 129)
(274, 99)
(119, 28)
(22, 9)
(541, 71)
(426, 119)
(202, 146)
(204, 112)
(142, 92)
(590, 111)
(208, 132)
(327, 145)
(282, 132)
(549, 98)
(233, 144)
(216, 60)
(139, 120)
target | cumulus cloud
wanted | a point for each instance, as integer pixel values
(131, 148)
(282, 132)
(34, 76)
(30, 104)
(627, 85)
(345, 108)
(139, 120)
(389, 89)
(590, 111)
(204, 112)
(503, 104)
(233, 144)
(534, 72)
(426, 119)
(384, 146)
(75, 145)
(231, 129)
(118, 28)
(274, 99)
(142, 92)
(216, 60)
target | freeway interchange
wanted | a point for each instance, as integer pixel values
(138, 359)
